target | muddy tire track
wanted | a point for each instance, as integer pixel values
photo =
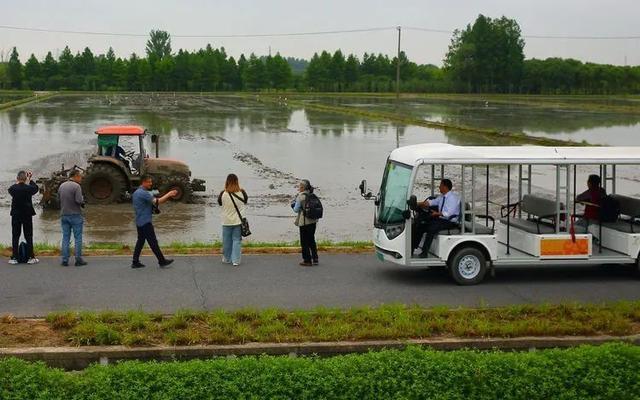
(266, 172)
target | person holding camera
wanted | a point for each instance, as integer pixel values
(306, 224)
(145, 204)
(71, 220)
(22, 213)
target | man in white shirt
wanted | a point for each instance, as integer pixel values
(447, 216)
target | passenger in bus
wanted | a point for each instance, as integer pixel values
(447, 216)
(592, 199)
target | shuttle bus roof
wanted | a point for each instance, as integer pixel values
(444, 153)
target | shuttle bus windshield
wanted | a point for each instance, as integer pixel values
(393, 193)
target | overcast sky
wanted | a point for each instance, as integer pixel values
(201, 17)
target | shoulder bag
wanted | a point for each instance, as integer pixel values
(244, 223)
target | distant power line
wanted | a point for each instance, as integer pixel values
(247, 35)
(411, 28)
(310, 33)
(581, 37)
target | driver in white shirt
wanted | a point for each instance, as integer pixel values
(447, 216)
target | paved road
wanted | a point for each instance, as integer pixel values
(277, 281)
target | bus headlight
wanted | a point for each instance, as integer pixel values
(393, 231)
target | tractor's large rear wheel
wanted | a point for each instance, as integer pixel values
(179, 183)
(103, 184)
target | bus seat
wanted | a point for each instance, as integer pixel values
(481, 229)
(629, 221)
(539, 209)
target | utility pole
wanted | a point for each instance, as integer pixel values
(398, 66)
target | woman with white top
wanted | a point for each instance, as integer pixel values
(233, 200)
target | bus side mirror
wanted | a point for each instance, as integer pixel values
(363, 190)
(154, 138)
(412, 202)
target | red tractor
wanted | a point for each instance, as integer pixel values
(114, 173)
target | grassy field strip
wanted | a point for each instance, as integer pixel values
(249, 247)
(589, 372)
(389, 322)
(488, 135)
(31, 99)
(580, 103)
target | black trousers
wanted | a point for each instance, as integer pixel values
(308, 242)
(431, 228)
(21, 225)
(146, 232)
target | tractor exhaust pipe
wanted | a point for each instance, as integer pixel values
(154, 140)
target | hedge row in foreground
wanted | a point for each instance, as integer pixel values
(605, 372)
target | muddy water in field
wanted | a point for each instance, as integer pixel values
(596, 127)
(269, 145)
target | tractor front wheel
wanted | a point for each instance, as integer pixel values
(179, 183)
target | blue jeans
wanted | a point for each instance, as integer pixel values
(231, 243)
(71, 223)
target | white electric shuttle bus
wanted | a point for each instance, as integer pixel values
(526, 228)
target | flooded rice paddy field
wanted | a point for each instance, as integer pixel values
(269, 145)
(557, 122)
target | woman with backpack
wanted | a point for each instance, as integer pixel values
(233, 200)
(305, 205)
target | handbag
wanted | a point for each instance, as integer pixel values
(244, 223)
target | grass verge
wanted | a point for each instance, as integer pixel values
(390, 322)
(604, 372)
(186, 248)
(30, 99)
(609, 104)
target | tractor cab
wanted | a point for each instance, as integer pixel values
(123, 145)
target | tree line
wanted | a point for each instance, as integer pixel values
(485, 57)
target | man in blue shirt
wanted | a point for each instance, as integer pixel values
(143, 203)
(447, 216)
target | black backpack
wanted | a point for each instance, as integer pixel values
(609, 209)
(312, 207)
(23, 257)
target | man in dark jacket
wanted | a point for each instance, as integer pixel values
(22, 213)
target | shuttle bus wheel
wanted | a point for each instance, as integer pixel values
(468, 266)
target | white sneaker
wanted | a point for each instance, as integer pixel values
(13, 261)
(236, 264)
(225, 261)
(33, 261)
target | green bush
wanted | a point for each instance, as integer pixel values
(605, 372)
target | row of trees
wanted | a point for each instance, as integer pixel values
(205, 70)
(485, 57)
(488, 57)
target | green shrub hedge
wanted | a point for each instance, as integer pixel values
(605, 372)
